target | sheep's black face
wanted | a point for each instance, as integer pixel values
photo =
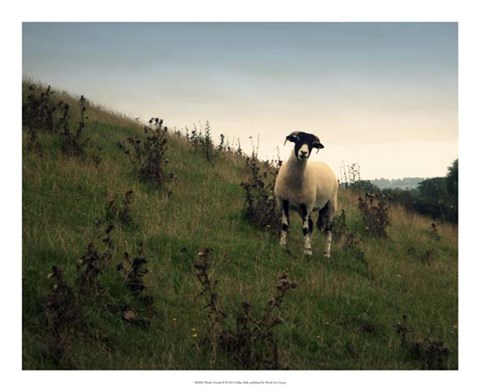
(304, 143)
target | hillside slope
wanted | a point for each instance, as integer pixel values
(129, 289)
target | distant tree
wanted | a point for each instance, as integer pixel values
(434, 197)
(452, 189)
(438, 197)
(452, 180)
(402, 183)
(431, 193)
(404, 197)
(364, 186)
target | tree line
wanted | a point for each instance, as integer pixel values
(434, 197)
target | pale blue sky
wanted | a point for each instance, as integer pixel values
(383, 95)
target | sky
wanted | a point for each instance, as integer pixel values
(381, 95)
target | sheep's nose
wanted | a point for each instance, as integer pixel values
(303, 154)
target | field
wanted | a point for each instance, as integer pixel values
(120, 273)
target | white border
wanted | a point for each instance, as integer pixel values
(246, 10)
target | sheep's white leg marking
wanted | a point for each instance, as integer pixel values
(285, 223)
(307, 230)
(328, 239)
(283, 236)
(307, 239)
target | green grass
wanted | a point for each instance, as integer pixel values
(342, 315)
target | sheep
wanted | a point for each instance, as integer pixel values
(306, 187)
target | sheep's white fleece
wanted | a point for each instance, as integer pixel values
(311, 183)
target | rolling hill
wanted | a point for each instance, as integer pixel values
(126, 271)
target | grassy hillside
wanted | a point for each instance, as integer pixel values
(133, 285)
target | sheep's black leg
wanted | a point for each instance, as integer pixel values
(285, 222)
(307, 229)
(322, 217)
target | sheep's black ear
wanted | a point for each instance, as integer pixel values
(293, 137)
(317, 144)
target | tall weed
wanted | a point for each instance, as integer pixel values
(148, 155)
(374, 209)
(261, 207)
(251, 342)
(430, 354)
(202, 141)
